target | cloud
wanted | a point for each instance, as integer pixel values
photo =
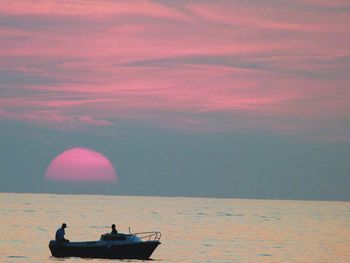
(54, 119)
(265, 65)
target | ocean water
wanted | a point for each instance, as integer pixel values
(193, 229)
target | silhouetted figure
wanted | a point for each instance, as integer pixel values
(114, 231)
(60, 234)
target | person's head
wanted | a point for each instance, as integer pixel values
(113, 226)
(64, 225)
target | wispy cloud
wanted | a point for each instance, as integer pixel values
(56, 119)
(199, 65)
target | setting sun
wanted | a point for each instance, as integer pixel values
(80, 164)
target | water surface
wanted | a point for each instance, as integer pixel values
(193, 229)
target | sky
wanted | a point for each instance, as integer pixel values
(231, 99)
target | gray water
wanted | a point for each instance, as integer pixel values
(193, 229)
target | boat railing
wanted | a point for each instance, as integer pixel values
(147, 236)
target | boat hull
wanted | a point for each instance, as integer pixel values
(97, 249)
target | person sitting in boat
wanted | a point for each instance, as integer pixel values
(60, 234)
(114, 231)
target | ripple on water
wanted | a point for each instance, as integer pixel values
(99, 227)
(264, 255)
(16, 241)
(42, 229)
(29, 210)
(278, 247)
(202, 214)
(229, 214)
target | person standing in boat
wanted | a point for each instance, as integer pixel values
(60, 234)
(114, 231)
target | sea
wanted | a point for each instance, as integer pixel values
(193, 229)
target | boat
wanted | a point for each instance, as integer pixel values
(111, 246)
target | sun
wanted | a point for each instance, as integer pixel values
(81, 164)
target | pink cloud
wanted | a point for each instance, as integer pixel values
(55, 119)
(180, 65)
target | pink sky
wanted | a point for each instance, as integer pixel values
(280, 67)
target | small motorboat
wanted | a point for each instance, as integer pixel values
(118, 246)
